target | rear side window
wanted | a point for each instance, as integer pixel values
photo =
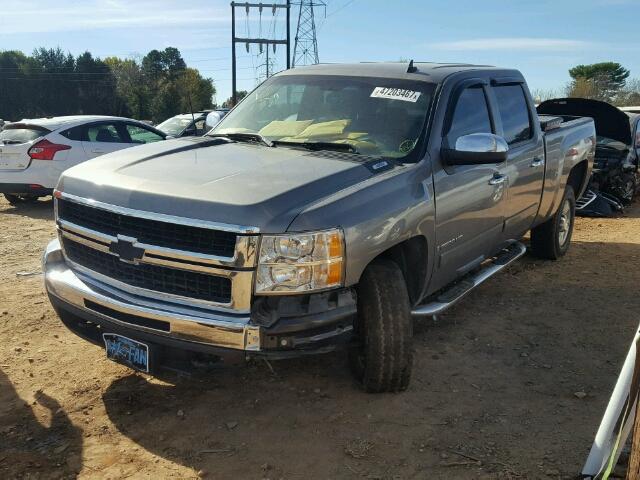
(142, 135)
(471, 114)
(14, 134)
(514, 113)
(104, 132)
(77, 134)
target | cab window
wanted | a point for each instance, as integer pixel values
(471, 114)
(514, 113)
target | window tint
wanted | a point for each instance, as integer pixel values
(104, 132)
(139, 134)
(76, 133)
(471, 114)
(514, 113)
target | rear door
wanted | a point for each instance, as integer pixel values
(15, 141)
(525, 161)
(103, 137)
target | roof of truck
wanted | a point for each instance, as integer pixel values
(425, 71)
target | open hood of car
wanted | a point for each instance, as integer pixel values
(610, 121)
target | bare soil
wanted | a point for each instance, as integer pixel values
(493, 392)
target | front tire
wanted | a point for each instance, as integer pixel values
(551, 239)
(382, 356)
(18, 200)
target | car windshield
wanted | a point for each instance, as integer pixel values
(175, 125)
(372, 116)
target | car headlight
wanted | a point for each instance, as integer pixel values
(300, 262)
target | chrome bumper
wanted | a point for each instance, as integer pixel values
(190, 324)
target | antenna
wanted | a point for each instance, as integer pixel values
(411, 68)
(305, 51)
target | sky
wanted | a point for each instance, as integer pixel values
(542, 38)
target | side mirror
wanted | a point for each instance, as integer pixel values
(477, 149)
(212, 119)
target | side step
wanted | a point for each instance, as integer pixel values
(459, 289)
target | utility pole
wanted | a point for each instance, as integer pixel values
(305, 51)
(258, 41)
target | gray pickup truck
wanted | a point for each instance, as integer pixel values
(330, 207)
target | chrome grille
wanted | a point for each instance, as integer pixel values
(162, 234)
(171, 259)
(150, 277)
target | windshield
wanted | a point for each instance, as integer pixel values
(375, 116)
(175, 125)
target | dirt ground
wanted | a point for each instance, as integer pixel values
(493, 392)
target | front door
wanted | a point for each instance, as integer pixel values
(469, 198)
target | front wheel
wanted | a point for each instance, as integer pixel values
(382, 356)
(17, 200)
(551, 239)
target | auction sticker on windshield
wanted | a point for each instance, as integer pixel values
(396, 94)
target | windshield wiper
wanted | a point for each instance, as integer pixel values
(342, 147)
(244, 137)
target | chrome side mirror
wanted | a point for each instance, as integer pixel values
(477, 149)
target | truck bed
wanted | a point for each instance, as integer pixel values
(568, 140)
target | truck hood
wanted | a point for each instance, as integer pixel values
(610, 121)
(217, 180)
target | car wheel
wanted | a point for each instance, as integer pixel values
(551, 239)
(381, 356)
(18, 199)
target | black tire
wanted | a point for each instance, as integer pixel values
(547, 240)
(18, 200)
(382, 355)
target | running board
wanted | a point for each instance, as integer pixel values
(458, 290)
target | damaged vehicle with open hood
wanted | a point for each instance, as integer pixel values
(614, 179)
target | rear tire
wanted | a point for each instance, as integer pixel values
(551, 239)
(382, 356)
(18, 200)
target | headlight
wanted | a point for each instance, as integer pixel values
(301, 262)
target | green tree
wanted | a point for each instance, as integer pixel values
(603, 81)
(228, 103)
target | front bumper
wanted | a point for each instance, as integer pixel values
(89, 308)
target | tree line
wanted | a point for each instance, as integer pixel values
(50, 82)
(605, 81)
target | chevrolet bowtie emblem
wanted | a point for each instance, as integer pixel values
(125, 249)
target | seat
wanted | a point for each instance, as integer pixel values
(105, 135)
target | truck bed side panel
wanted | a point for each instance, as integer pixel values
(565, 147)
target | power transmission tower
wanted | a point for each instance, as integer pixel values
(305, 51)
(268, 42)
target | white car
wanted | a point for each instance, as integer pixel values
(33, 153)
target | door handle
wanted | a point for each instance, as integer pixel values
(497, 179)
(97, 151)
(537, 162)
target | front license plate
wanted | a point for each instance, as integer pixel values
(126, 351)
